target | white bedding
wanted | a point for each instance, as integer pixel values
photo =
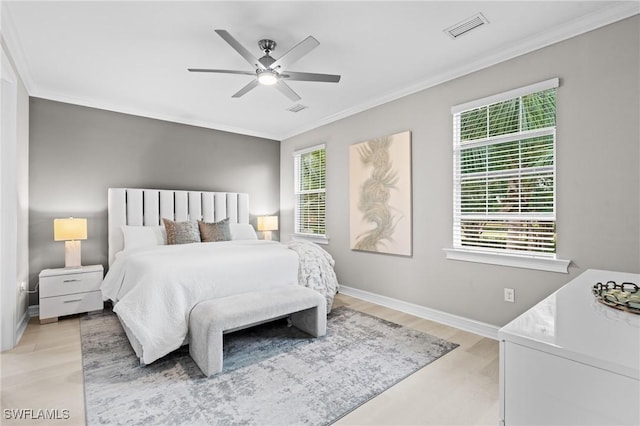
(154, 289)
(316, 269)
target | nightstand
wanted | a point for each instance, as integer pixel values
(67, 291)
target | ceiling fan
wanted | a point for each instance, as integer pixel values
(269, 71)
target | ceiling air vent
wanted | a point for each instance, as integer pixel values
(467, 25)
(297, 108)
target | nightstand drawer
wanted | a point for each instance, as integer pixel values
(70, 304)
(71, 283)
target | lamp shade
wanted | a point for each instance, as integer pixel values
(69, 229)
(267, 223)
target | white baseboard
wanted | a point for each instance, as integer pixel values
(22, 325)
(34, 311)
(466, 324)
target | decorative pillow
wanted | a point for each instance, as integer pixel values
(212, 232)
(143, 236)
(181, 232)
(242, 231)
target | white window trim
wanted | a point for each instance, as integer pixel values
(510, 94)
(315, 238)
(309, 149)
(506, 259)
(318, 239)
(542, 263)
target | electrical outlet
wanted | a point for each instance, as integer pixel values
(509, 295)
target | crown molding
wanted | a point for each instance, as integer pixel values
(91, 103)
(10, 37)
(571, 29)
(12, 41)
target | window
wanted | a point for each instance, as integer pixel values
(310, 181)
(504, 173)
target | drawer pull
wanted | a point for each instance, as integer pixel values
(74, 300)
(71, 281)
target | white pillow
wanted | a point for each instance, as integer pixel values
(242, 231)
(143, 236)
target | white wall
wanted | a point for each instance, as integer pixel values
(14, 197)
(598, 184)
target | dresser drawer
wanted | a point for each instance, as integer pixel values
(70, 304)
(59, 285)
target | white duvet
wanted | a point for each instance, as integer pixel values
(154, 289)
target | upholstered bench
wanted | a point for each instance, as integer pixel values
(210, 319)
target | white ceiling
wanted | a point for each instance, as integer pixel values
(132, 57)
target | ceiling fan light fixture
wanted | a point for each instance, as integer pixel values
(271, 72)
(267, 77)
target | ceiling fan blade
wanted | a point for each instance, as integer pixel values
(287, 91)
(309, 76)
(222, 71)
(246, 88)
(296, 52)
(240, 49)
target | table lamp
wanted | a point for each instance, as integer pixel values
(71, 231)
(266, 224)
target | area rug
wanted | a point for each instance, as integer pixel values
(273, 374)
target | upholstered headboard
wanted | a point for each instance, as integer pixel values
(147, 207)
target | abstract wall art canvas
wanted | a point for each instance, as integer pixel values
(380, 195)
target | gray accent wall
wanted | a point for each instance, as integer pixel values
(598, 178)
(77, 153)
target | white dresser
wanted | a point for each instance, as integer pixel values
(67, 291)
(571, 360)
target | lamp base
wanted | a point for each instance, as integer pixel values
(267, 235)
(72, 254)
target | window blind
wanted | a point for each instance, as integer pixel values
(504, 172)
(310, 182)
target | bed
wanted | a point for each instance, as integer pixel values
(154, 286)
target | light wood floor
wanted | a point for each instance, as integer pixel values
(45, 372)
